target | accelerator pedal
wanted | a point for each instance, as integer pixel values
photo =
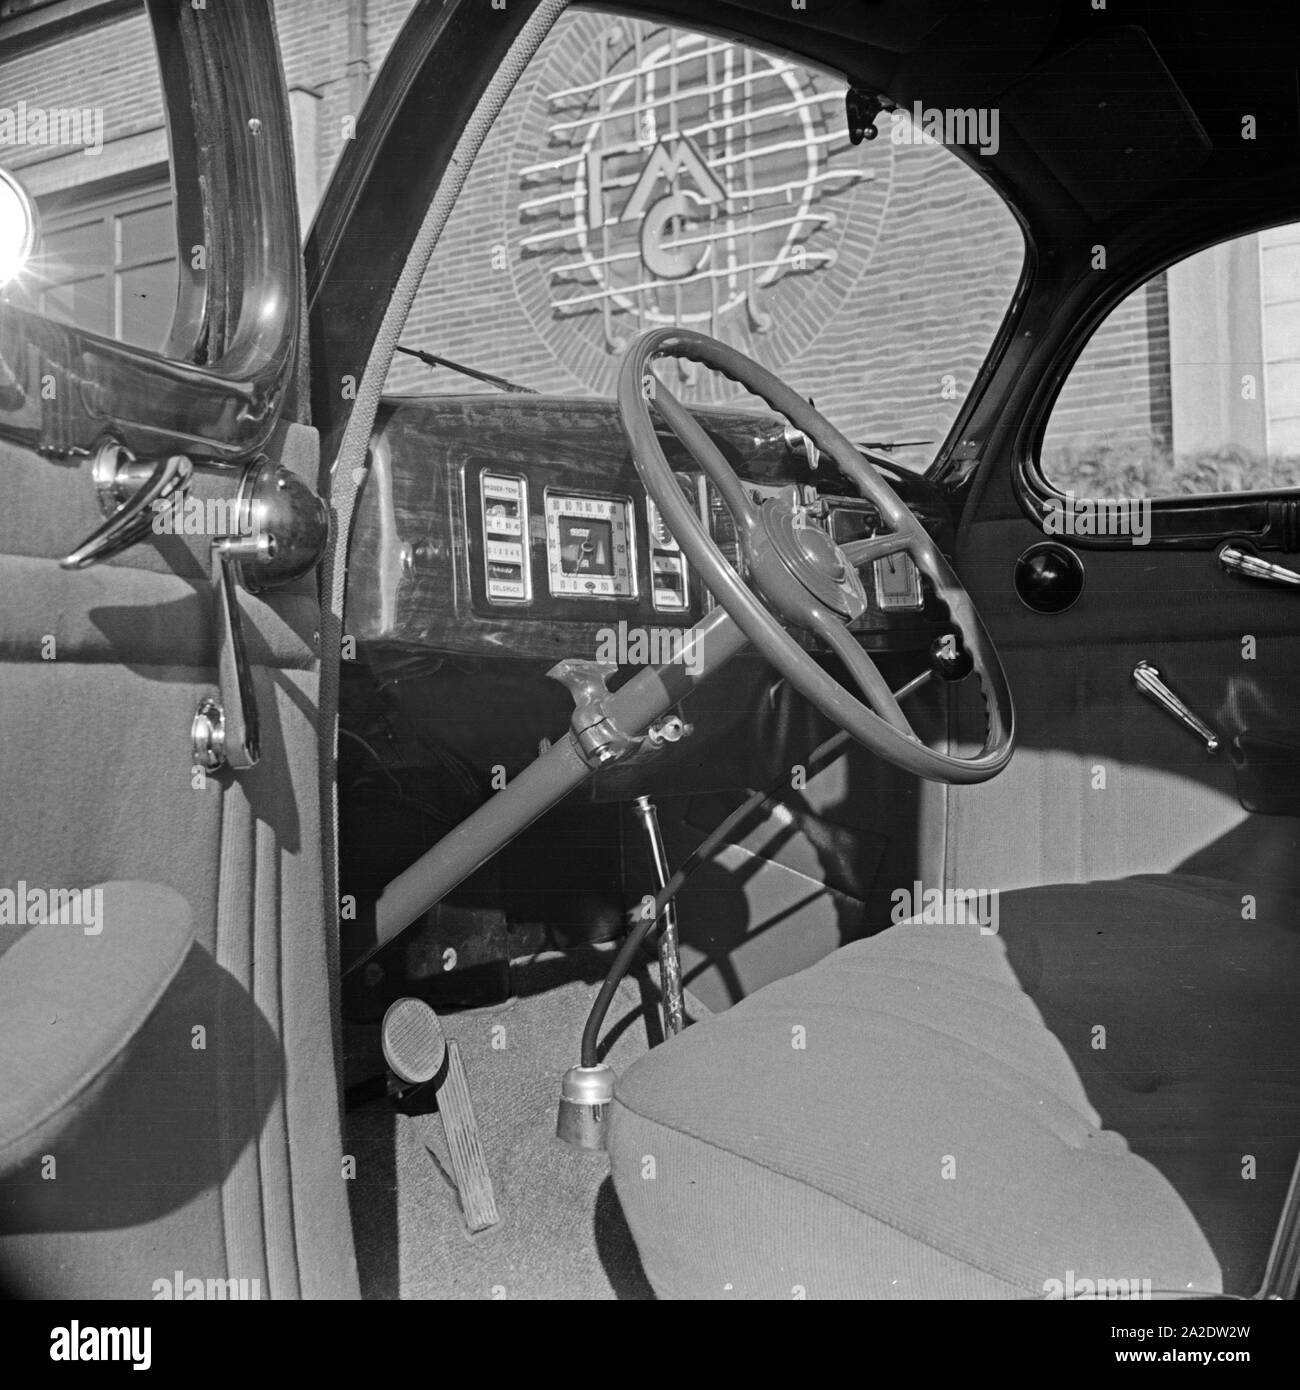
(428, 1074)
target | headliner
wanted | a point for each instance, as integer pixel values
(1108, 118)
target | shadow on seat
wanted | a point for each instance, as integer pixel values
(1107, 1087)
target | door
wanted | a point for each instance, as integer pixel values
(1166, 465)
(169, 1105)
(1167, 470)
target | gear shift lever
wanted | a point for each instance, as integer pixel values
(587, 1091)
(670, 963)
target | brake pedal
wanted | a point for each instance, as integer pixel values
(428, 1074)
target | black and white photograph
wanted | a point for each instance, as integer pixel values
(650, 652)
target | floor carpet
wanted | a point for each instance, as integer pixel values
(562, 1233)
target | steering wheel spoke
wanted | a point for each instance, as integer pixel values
(872, 548)
(875, 689)
(688, 429)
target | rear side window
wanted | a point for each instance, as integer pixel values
(1192, 384)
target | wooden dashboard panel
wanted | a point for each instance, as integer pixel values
(416, 571)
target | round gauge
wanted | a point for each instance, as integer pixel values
(589, 546)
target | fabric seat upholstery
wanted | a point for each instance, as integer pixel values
(933, 1112)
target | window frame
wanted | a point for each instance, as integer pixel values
(1266, 518)
(1144, 287)
(217, 389)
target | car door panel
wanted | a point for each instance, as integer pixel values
(1104, 783)
(183, 1163)
(217, 1132)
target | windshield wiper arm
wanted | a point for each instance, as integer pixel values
(499, 382)
(892, 443)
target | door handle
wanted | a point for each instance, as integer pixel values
(227, 732)
(131, 493)
(284, 530)
(1238, 561)
(1146, 676)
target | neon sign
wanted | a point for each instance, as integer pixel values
(683, 182)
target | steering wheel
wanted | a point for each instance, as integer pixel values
(796, 571)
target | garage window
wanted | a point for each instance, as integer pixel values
(108, 264)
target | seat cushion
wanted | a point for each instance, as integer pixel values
(73, 995)
(900, 1121)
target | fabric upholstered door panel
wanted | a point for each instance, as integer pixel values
(184, 1161)
(1103, 783)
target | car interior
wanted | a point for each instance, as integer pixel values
(797, 723)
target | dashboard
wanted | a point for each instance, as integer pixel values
(516, 526)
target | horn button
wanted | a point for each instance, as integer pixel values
(813, 558)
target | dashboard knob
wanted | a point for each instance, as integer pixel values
(1048, 578)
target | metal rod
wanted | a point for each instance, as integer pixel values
(466, 848)
(1282, 1273)
(650, 913)
(670, 961)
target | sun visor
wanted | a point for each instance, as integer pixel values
(1108, 119)
(977, 52)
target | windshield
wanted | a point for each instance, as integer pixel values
(640, 176)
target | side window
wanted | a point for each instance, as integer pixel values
(1192, 384)
(82, 126)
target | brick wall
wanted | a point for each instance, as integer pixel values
(110, 66)
(314, 39)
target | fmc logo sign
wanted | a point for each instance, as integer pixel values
(662, 255)
(683, 178)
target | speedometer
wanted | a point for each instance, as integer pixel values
(589, 546)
